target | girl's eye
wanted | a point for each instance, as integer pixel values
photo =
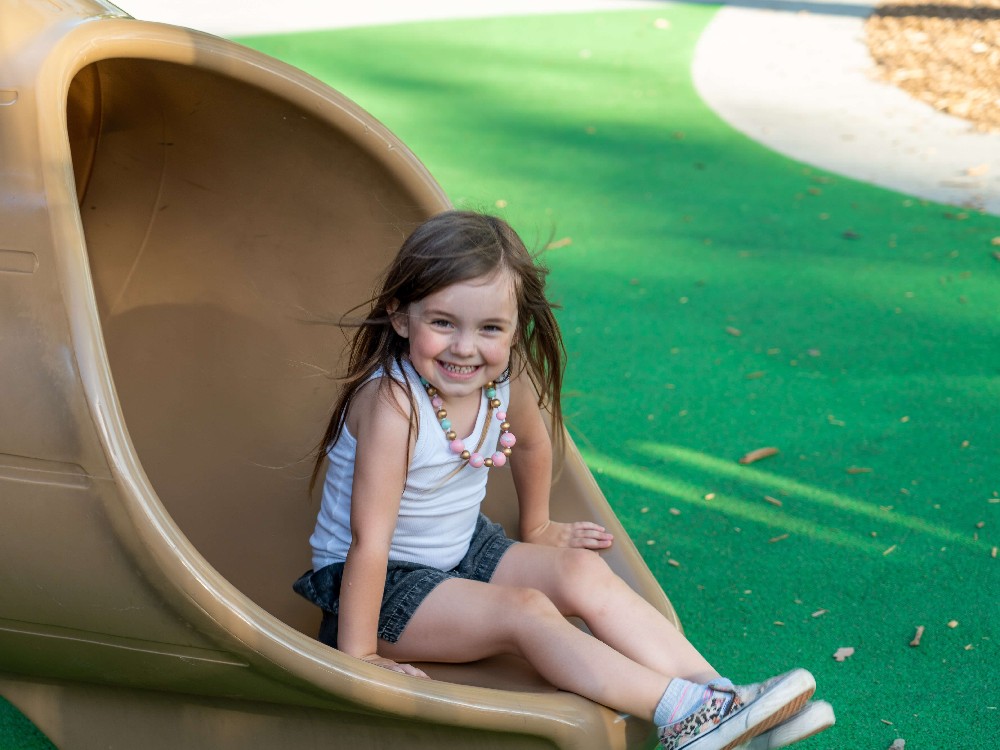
(440, 323)
(493, 329)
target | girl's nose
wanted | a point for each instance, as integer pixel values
(463, 344)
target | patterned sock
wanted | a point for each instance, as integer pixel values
(682, 698)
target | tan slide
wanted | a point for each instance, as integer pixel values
(181, 220)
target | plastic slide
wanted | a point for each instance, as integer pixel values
(181, 219)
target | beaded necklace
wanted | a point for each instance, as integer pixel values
(475, 459)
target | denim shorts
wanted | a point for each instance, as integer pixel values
(406, 583)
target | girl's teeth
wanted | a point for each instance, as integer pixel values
(457, 369)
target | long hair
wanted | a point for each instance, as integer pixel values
(449, 248)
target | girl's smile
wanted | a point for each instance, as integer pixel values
(460, 336)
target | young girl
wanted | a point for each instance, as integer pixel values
(459, 353)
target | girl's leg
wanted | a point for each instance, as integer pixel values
(497, 619)
(581, 584)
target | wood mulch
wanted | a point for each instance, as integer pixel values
(946, 53)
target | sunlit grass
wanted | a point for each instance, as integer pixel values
(715, 467)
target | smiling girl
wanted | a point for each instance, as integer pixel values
(459, 353)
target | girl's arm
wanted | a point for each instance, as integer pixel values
(531, 465)
(381, 427)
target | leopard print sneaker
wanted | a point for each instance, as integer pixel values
(734, 714)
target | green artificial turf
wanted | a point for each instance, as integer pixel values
(718, 298)
(868, 327)
(17, 733)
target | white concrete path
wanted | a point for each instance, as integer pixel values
(794, 75)
(797, 77)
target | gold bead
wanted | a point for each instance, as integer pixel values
(432, 391)
(442, 413)
(488, 462)
(466, 455)
(451, 435)
(495, 403)
(505, 426)
(506, 451)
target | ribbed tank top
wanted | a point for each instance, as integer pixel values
(438, 508)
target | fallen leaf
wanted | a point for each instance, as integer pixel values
(773, 500)
(889, 550)
(756, 375)
(952, 623)
(819, 612)
(850, 234)
(843, 653)
(732, 331)
(918, 636)
(778, 538)
(758, 454)
(897, 744)
(673, 562)
(858, 470)
(555, 244)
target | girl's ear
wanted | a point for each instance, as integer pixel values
(399, 319)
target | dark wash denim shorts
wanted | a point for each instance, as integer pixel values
(406, 583)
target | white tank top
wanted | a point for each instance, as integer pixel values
(438, 508)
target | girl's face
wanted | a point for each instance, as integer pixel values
(460, 336)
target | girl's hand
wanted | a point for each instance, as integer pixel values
(583, 534)
(381, 661)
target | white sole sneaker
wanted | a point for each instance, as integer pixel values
(751, 710)
(814, 718)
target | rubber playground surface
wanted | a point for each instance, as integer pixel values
(717, 298)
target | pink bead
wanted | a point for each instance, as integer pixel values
(501, 416)
(507, 440)
(437, 402)
(457, 446)
(499, 459)
(476, 461)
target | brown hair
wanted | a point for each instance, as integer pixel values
(452, 247)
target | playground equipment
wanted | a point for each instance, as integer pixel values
(179, 215)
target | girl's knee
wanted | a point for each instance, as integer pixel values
(525, 608)
(582, 567)
(582, 574)
(527, 612)
(526, 601)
